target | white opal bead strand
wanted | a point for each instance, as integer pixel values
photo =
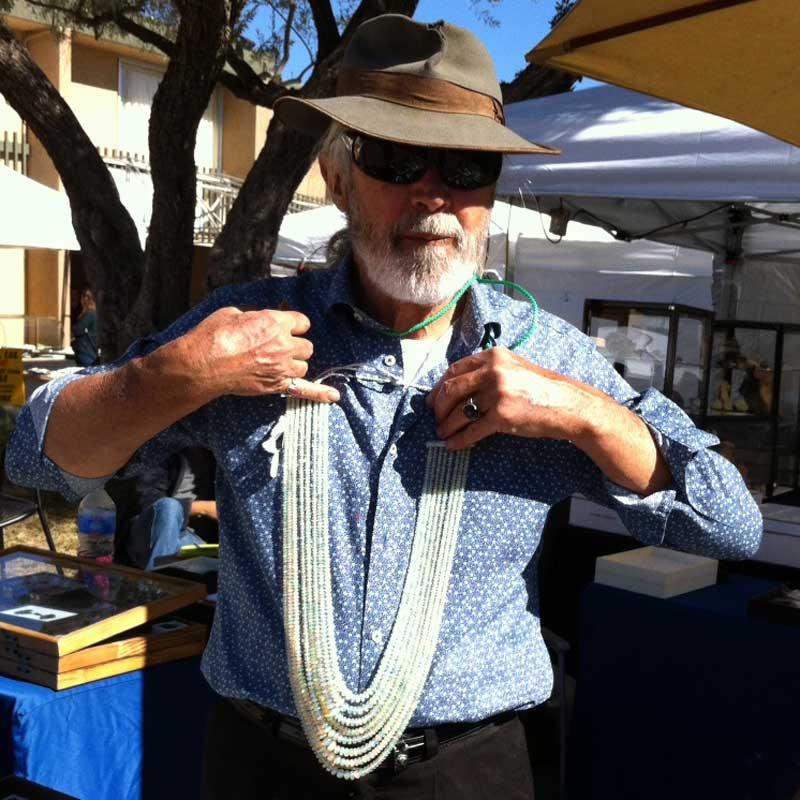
(352, 732)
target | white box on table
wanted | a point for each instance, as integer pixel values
(656, 571)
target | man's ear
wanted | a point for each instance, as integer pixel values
(333, 180)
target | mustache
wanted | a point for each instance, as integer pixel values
(440, 224)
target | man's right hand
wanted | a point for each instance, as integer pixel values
(252, 353)
(231, 352)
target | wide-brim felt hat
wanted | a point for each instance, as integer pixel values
(416, 83)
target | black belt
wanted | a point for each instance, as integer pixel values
(415, 744)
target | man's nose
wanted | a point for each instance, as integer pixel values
(430, 191)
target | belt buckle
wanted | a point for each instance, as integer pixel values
(400, 757)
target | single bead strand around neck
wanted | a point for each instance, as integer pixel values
(459, 294)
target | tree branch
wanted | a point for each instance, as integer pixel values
(287, 43)
(145, 34)
(296, 31)
(247, 83)
(328, 36)
(116, 15)
(368, 9)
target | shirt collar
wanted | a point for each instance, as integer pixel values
(340, 288)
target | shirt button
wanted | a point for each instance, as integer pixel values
(377, 637)
(393, 450)
(389, 360)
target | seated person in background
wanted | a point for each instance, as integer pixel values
(167, 502)
(84, 340)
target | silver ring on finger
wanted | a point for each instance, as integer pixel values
(292, 385)
(471, 410)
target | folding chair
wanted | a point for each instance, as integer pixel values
(14, 509)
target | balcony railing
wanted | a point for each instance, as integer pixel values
(15, 150)
(216, 192)
(303, 202)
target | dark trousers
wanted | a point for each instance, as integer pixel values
(244, 761)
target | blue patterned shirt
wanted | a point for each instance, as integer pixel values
(490, 655)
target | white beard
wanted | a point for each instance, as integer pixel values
(427, 275)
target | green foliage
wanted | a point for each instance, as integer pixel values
(483, 10)
(561, 9)
(99, 15)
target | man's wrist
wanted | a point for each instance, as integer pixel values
(592, 422)
(170, 372)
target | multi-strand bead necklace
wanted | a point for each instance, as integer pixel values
(352, 733)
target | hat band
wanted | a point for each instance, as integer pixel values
(430, 94)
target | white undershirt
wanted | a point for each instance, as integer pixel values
(421, 355)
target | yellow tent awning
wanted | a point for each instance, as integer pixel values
(735, 58)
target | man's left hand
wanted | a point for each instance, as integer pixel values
(513, 396)
(516, 397)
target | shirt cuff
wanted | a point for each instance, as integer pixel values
(679, 442)
(41, 405)
(644, 516)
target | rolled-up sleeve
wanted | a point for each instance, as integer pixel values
(26, 462)
(706, 510)
(28, 465)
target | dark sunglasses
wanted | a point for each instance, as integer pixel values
(404, 164)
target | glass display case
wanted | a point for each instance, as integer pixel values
(664, 346)
(753, 403)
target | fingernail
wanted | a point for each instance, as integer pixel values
(334, 396)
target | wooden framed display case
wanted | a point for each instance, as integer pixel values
(753, 403)
(664, 346)
(65, 621)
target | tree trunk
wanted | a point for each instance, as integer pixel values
(244, 248)
(109, 242)
(203, 37)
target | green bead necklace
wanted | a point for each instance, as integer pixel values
(459, 294)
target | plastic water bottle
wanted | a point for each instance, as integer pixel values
(97, 523)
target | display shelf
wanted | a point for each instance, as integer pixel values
(663, 346)
(753, 401)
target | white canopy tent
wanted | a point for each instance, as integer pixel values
(638, 166)
(590, 263)
(641, 167)
(34, 216)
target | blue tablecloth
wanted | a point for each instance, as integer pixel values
(137, 736)
(685, 698)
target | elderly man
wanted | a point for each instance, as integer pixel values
(388, 445)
